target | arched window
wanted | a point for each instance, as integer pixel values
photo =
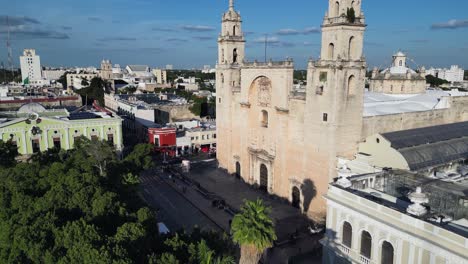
(234, 56)
(234, 30)
(331, 51)
(264, 118)
(351, 48)
(401, 63)
(387, 253)
(222, 78)
(222, 55)
(352, 85)
(337, 8)
(366, 244)
(347, 234)
(263, 178)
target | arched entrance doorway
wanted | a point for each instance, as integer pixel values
(296, 197)
(238, 170)
(263, 178)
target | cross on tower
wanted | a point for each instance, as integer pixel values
(231, 4)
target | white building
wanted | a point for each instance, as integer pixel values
(161, 76)
(30, 65)
(75, 80)
(169, 67)
(454, 74)
(388, 218)
(53, 75)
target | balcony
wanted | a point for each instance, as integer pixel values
(344, 249)
(343, 20)
(364, 260)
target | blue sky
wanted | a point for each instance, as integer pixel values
(183, 32)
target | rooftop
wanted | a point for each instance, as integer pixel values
(376, 104)
(447, 204)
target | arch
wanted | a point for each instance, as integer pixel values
(337, 8)
(366, 244)
(222, 77)
(352, 85)
(222, 55)
(347, 235)
(264, 178)
(352, 48)
(388, 253)
(264, 118)
(331, 51)
(234, 55)
(401, 63)
(296, 197)
(234, 30)
(260, 91)
(238, 170)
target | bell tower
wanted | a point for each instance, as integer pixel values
(231, 53)
(336, 81)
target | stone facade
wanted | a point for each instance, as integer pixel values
(282, 139)
(399, 79)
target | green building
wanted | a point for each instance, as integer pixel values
(34, 129)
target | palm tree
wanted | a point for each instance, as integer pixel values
(207, 256)
(253, 230)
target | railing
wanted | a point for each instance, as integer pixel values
(344, 249)
(343, 20)
(364, 260)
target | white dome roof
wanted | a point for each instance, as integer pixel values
(31, 108)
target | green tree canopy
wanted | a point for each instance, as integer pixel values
(434, 81)
(253, 230)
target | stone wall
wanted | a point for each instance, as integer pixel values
(457, 112)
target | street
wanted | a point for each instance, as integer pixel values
(172, 208)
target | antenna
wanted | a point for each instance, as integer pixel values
(10, 56)
(266, 45)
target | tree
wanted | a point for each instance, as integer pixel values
(63, 80)
(434, 81)
(253, 230)
(351, 15)
(95, 91)
(8, 153)
(466, 75)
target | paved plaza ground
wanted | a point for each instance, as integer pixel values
(185, 200)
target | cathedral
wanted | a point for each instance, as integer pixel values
(286, 141)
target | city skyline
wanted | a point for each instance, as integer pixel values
(184, 33)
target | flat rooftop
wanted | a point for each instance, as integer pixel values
(376, 104)
(391, 188)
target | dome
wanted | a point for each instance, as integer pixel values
(399, 54)
(31, 108)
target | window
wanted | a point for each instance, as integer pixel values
(234, 30)
(347, 238)
(207, 136)
(234, 56)
(401, 63)
(319, 90)
(193, 138)
(351, 48)
(331, 51)
(366, 244)
(387, 253)
(222, 78)
(352, 85)
(325, 117)
(377, 140)
(222, 55)
(337, 9)
(219, 100)
(264, 118)
(214, 135)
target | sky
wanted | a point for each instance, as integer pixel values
(183, 32)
